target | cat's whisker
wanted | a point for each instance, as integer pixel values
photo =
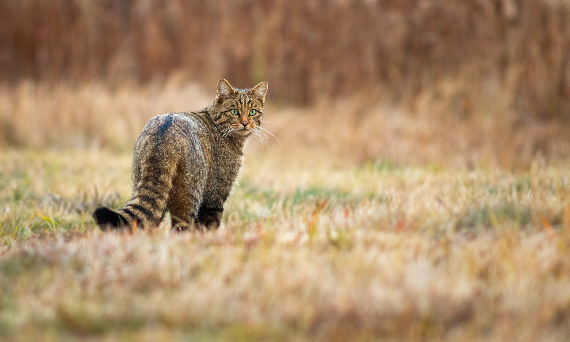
(273, 135)
(263, 140)
(224, 129)
(230, 131)
(265, 144)
(267, 138)
(256, 133)
(256, 130)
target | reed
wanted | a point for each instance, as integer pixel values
(403, 51)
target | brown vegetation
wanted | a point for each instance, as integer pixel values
(306, 254)
(343, 132)
(307, 50)
(419, 190)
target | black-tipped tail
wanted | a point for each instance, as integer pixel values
(107, 218)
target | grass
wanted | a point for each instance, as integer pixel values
(422, 192)
(360, 252)
(367, 222)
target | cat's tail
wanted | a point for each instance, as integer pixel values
(109, 219)
(148, 203)
(136, 210)
(146, 208)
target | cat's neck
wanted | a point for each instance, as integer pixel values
(236, 141)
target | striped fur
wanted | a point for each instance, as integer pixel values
(186, 163)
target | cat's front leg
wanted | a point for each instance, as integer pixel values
(210, 217)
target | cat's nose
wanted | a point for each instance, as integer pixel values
(245, 123)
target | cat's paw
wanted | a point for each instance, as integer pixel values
(211, 223)
(107, 218)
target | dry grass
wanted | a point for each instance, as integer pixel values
(366, 222)
(305, 253)
(423, 195)
(354, 130)
(91, 115)
(307, 50)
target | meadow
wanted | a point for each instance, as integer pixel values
(323, 238)
(417, 187)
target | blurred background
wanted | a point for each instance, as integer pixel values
(409, 81)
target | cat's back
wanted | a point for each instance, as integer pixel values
(177, 130)
(177, 125)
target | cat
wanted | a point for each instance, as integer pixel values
(186, 163)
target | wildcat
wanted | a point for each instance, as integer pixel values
(186, 163)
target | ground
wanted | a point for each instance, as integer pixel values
(364, 251)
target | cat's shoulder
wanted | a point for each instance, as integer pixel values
(175, 122)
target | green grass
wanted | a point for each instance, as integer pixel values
(365, 252)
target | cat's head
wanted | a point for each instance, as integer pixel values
(238, 111)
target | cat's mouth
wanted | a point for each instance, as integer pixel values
(244, 130)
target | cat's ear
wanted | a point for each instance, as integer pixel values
(259, 91)
(224, 90)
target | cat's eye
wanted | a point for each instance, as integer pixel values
(252, 112)
(234, 112)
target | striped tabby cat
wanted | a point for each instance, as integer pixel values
(186, 163)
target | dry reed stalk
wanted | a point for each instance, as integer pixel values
(307, 50)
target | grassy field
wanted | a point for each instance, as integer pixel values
(362, 222)
(419, 188)
(306, 252)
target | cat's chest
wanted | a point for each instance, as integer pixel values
(227, 163)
